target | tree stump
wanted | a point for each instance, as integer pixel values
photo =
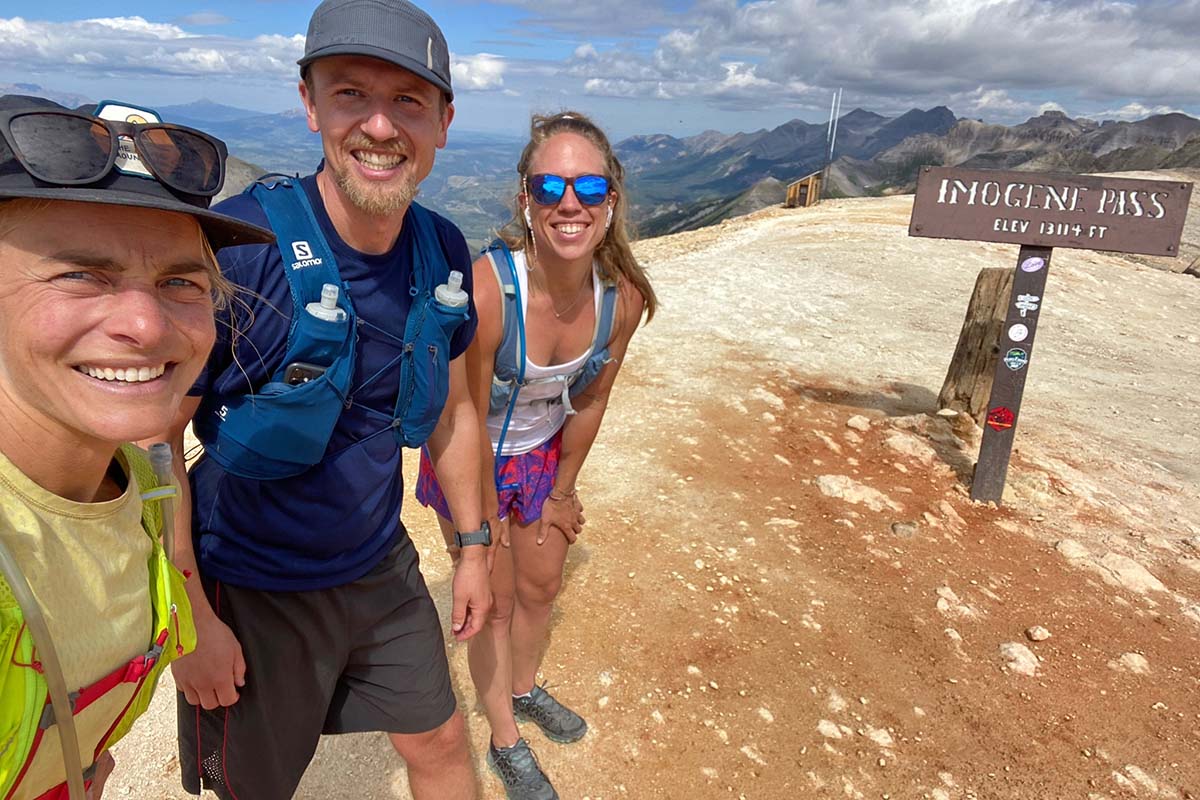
(969, 380)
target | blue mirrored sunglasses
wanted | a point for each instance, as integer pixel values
(548, 189)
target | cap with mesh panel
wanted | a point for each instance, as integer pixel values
(392, 30)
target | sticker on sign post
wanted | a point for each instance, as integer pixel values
(1018, 333)
(1032, 264)
(1000, 418)
(1016, 359)
(1026, 303)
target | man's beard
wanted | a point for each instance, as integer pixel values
(376, 199)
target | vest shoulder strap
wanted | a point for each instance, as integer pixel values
(606, 318)
(307, 259)
(601, 336)
(509, 366)
(139, 465)
(430, 267)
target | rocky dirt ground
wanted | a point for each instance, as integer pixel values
(783, 590)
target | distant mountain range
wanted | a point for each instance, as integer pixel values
(67, 99)
(1052, 142)
(680, 184)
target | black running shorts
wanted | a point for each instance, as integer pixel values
(367, 656)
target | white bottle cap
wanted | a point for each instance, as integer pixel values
(451, 293)
(329, 295)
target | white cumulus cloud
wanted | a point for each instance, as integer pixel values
(997, 56)
(136, 47)
(479, 73)
(1133, 111)
(1002, 60)
(137, 27)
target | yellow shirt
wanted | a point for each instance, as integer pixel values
(87, 564)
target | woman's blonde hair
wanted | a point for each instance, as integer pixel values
(614, 255)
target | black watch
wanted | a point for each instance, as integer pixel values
(482, 536)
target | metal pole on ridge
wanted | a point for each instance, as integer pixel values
(833, 135)
(835, 105)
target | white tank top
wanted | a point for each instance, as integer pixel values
(539, 412)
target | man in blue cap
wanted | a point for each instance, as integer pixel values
(311, 613)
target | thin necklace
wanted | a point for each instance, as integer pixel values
(579, 294)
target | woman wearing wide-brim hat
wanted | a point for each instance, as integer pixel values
(106, 318)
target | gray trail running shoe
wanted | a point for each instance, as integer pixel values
(518, 768)
(559, 723)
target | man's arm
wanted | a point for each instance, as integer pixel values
(454, 453)
(210, 675)
(481, 358)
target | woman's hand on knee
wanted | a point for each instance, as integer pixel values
(563, 514)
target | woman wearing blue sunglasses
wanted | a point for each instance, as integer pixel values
(574, 283)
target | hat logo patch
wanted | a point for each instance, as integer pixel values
(128, 162)
(429, 53)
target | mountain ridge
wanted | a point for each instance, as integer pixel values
(1050, 142)
(680, 183)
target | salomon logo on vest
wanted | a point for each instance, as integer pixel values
(304, 256)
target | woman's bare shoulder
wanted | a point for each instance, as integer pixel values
(631, 304)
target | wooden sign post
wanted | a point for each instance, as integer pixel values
(1039, 212)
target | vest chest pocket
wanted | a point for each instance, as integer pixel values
(283, 430)
(425, 370)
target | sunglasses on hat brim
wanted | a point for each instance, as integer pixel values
(546, 189)
(69, 148)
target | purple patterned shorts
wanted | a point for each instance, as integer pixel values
(525, 480)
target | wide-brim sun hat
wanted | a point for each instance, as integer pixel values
(118, 188)
(395, 31)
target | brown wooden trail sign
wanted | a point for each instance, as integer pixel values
(1039, 211)
(1050, 210)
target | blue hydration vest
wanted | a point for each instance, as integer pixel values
(508, 374)
(282, 430)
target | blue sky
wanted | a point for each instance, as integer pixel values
(647, 66)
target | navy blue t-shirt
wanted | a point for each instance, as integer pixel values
(333, 523)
